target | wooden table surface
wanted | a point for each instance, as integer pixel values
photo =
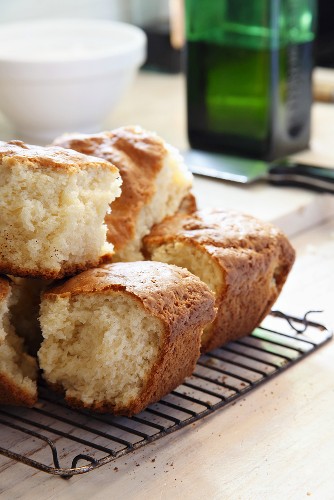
(278, 441)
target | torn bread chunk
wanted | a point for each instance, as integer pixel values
(155, 181)
(18, 370)
(53, 203)
(243, 260)
(122, 336)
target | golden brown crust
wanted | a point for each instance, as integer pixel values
(168, 292)
(13, 394)
(180, 300)
(254, 258)
(67, 269)
(217, 228)
(188, 205)
(4, 287)
(139, 157)
(50, 157)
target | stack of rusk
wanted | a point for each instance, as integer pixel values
(147, 280)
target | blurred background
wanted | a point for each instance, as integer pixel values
(119, 10)
(154, 13)
(163, 23)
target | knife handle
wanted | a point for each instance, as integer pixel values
(302, 175)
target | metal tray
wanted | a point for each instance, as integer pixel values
(58, 440)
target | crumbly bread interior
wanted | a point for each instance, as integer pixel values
(99, 347)
(197, 261)
(50, 216)
(244, 261)
(25, 311)
(16, 365)
(172, 184)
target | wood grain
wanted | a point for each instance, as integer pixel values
(277, 443)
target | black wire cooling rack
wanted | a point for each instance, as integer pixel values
(56, 439)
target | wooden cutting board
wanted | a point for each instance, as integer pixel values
(292, 209)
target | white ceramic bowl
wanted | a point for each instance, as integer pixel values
(60, 76)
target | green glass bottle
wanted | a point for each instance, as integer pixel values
(249, 65)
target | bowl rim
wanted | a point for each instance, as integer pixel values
(103, 61)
